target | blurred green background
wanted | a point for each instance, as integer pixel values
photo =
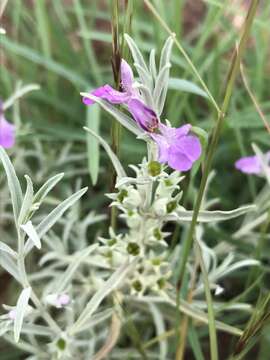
(65, 46)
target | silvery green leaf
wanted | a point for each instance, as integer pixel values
(18, 94)
(13, 184)
(188, 310)
(5, 326)
(263, 161)
(27, 201)
(97, 319)
(152, 63)
(122, 118)
(160, 329)
(238, 265)
(54, 216)
(139, 63)
(92, 121)
(136, 54)
(211, 216)
(111, 284)
(114, 159)
(21, 308)
(247, 228)
(147, 96)
(145, 77)
(64, 280)
(29, 229)
(39, 330)
(161, 87)
(7, 262)
(186, 86)
(4, 247)
(166, 53)
(47, 187)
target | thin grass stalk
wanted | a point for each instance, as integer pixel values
(183, 52)
(234, 69)
(116, 62)
(89, 50)
(210, 307)
(216, 135)
(185, 320)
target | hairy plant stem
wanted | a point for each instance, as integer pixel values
(116, 62)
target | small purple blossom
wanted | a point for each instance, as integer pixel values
(58, 300)
(12, 314)
(176, 146)
(251, 164)
(63, 300)
(130, 96)
(7, 131)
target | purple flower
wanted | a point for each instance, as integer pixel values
(176, 147)
(7, 131)
(251, 164)
(130, 96)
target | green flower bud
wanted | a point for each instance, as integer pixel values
(133, 249)
(137, 285)
(154, 168)
(171, 206)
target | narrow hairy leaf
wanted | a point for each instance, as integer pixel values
(27, 201)
(13, 184)
(21, 309)
(122, 118)
(92, 121)
(111, 284)
(114, 159)
(46, 188)
(29, 229)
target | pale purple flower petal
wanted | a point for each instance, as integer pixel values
(190, 146)
(63, 300)
(12, 314)
(178, 160)
(127, 78)
(174, 133)
(176, 147)
(144, 116)
(7, 133)
(163, 147)
(108, 93)
(249, 165)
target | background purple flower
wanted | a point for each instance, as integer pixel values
(249, 165)
(7, 131)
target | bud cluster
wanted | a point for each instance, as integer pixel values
(144, 201)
